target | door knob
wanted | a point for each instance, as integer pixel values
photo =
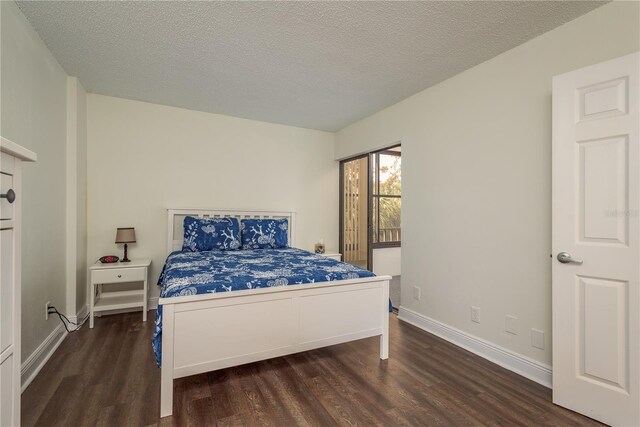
(10, 196)
(565, 258)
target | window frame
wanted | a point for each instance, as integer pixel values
(374, 182)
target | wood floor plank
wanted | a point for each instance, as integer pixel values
(289, 385)
(283, 414)
(339, 407)
(232, 421)
(107, 376)
(222, 404)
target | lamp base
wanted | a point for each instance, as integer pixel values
(125, 258)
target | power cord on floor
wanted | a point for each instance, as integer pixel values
(65, 320)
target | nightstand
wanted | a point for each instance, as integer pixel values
(118, 272)
(337, 257)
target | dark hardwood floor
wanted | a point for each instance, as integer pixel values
(107, 376)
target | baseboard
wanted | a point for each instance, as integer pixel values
(84, 310)
(34, 363)
(80, 314)
(522, 365)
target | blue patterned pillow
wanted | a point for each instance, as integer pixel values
(264, 233)
(206, 234)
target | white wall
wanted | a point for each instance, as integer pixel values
(144, 158)
(387, 261)
(33, 115)
(76, 196)
(476, 150)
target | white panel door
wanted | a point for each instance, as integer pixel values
(596, 226)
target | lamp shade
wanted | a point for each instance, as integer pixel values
(126, 235)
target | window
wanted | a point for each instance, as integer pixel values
(386, 197)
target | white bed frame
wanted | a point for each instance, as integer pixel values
(202, 333)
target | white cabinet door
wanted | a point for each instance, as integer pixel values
(11, 157)
(7, 394)
(9, 386)
(7, 299)
(596, 221)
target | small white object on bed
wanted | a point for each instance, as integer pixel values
(306, 317)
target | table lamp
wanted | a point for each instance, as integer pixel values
(125, 235)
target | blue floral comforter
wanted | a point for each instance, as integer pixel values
(192, 273)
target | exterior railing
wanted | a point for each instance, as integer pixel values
(389, 235)
(354, 252)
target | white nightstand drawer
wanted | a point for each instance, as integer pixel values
(6, 208)
(119, 275)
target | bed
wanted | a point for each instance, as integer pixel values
(248, 313)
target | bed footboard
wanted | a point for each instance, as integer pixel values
(207, 332)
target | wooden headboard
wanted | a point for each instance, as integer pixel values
(175, 218)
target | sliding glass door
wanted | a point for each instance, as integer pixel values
(370, 205)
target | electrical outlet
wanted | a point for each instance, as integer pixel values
(46, 310)
(416, 293)
(475, 314)
(511, 324)
(537, 338)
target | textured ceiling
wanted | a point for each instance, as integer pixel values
(320, 65)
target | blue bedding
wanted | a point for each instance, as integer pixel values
(193, 273)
